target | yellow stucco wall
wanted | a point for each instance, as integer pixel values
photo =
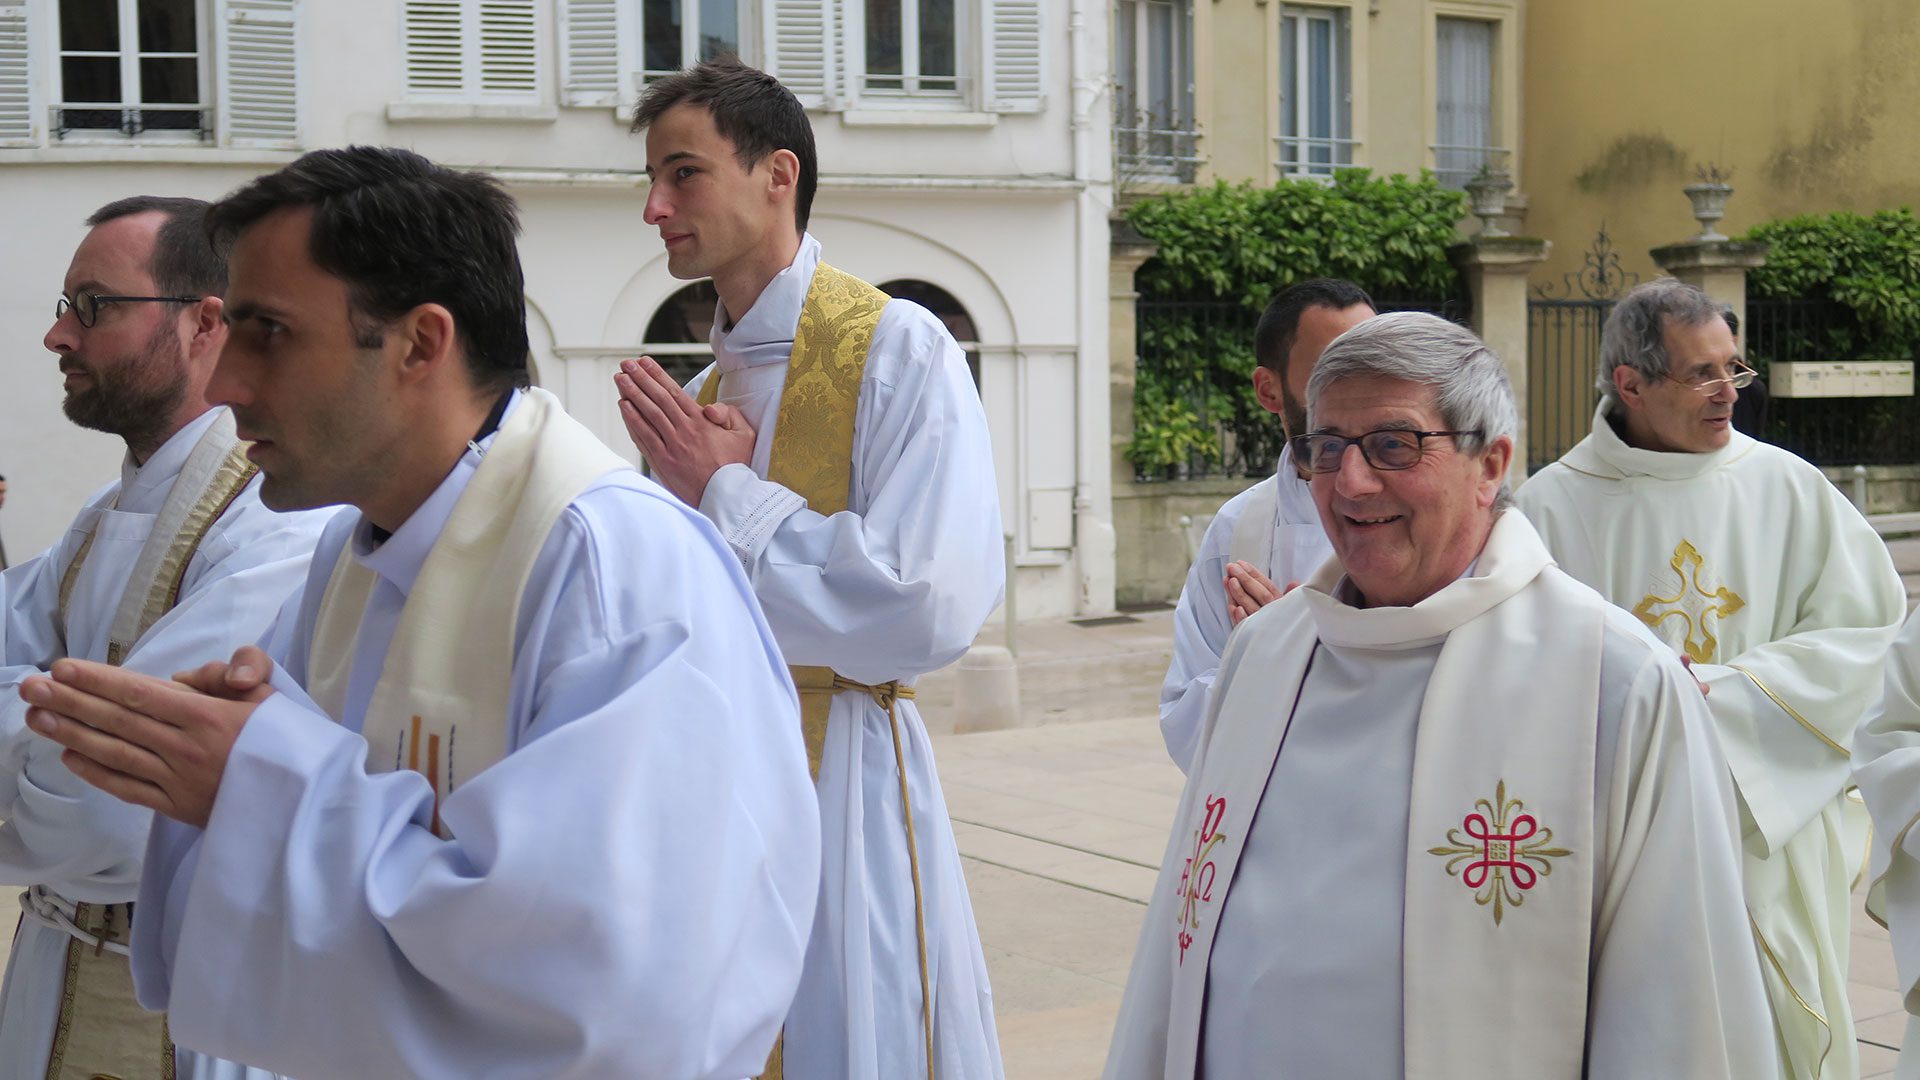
(1811, 104)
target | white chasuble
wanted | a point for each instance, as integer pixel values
(1749, 562)
(1542, 857)
(1886, 754)
(161, 571)
(896, 585)
(1275, 526)
(624, 893)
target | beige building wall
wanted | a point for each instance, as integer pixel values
(1810, 104)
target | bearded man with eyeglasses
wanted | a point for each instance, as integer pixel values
(175, 563)
(1747, 562)
(1451, 813)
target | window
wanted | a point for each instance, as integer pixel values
(473, 51)
(131, 67)
(676, 34)
(1316, 112)
(948, 310)
(1153, 126)
(913, 47)
(1464, 124)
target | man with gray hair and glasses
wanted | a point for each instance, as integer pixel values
(1442, 734)
(1744, 560)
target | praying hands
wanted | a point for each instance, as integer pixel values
(684, 442)
(1249, 590)
(158, 744)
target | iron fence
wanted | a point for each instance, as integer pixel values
(1829, 431)
(1563, 360)
(1205, 348)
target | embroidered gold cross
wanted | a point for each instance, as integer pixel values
(1691, 603)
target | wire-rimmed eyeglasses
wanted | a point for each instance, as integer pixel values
(1741, 378)
(1388, 448)
(86, 307)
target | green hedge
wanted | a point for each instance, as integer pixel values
(1868, 264)
(1223, 251)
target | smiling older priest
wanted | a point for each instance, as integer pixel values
(526, 796)
(1383, 752)
(1744, 559)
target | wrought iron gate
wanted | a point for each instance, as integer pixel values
(1563, 351)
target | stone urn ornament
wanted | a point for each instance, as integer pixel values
(1487, 197)
(1709, 197)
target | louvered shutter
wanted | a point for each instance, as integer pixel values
(590, 44)
(258, 68)
(509, 49)
(16, 76)
(1014, 52)
(436, 48)
(807, 48)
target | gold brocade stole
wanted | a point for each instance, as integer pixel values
(813, 457)
(100, 1029)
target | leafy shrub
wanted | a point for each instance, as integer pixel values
(1223, 251)
(1866, 264)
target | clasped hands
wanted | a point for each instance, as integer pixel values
(158, 744)
(1249, 590)
(684, 442)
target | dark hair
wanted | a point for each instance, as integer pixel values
(1273, 337)
(402, 231)
(184, 262)
(750, 108)
(1732, 320)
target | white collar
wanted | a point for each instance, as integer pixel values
(773, 319)
(157, 473)
(1511, 559)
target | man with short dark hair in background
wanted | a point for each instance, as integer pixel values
(1267, 538)
(175, 562)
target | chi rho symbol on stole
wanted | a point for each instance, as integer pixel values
(1694, 609)
(1500, 851)
(1196, 878)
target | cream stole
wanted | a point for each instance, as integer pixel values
(215, 473)
(1500, 837)
(440, 707)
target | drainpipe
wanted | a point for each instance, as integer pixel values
(1093, 474)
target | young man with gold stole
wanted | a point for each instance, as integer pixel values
(840, 446)
(176, 560)
(525, 795)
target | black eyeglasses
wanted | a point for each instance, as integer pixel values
(1388, 449)
(86, 307)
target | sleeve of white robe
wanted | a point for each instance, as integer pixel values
(1675, 987)
(1201, 624)
(902, 587)
(1786, 711)
(1887, 753)
(628, 893)
(65, 833)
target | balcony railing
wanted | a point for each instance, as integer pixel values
(1305, 157)
(190, 121)
(1453, 166)
(1157, 153)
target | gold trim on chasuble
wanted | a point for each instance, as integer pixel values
(813, 457)
(1504, 852)
(98, 982)
(1691, 603)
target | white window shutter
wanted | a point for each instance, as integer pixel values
(590, 44)
(509, 49)
(436, 48)
(1014, 56)
(16, 76)
(258, 68)
(806, 46)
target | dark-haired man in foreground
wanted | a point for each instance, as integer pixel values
(838, 443)
(525, 795)
(175, 561)
(1268, 538)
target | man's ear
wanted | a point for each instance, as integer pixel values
(207, 332)
(426, 335)
(1493, 468)
(1270, 389)
(1627, 386)
(783, 175)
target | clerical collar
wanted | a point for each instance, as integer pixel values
(487, 427)
(764, 333)
(1607, 453)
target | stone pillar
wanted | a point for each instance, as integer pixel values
(1130, 251)
(1496, 270)
(1715, 267)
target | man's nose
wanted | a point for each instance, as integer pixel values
(64, 335)
(657, 208)
(1355, 476)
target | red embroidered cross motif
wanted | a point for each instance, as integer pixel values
(1196, 877)
(1500, 851)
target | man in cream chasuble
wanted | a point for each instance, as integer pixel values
(1401, 850)
(1746, 561)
